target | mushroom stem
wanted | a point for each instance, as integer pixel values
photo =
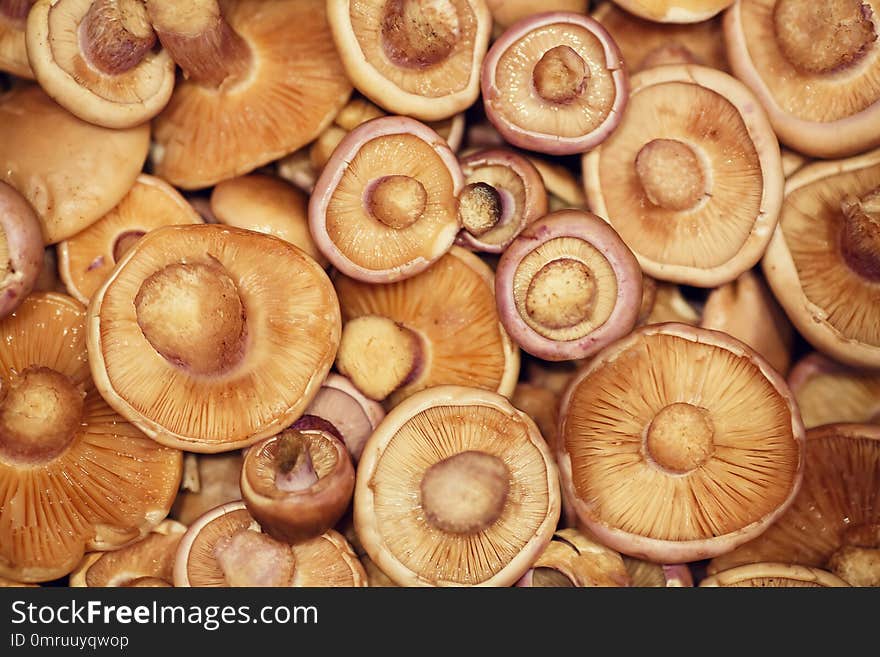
(116, 35)
(562, 294)
(680, 437)
(16, 10)
(480, 208)
(419, 34)
(293, 462)
(860, 236)
(396, 201)
(560, 75)
(671, 174)
(200, 40)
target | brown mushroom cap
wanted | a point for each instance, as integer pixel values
(13, 49)
(21, 249)
(829, 393)
(692, 178)
(574, 560)
(210, 337)
(71, 172)
(209, 480)
(88, 479)
(675, 11)
(678, 444)
(455, 487)
(762, 575)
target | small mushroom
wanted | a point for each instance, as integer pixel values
(413, 57)
(210, 338)
(574, 560)
(456, 487)
(86, 259)
(761, 575)
(225, 547)
(21, 249)
(209, 480)
(564, 190)
(13, 48)
(823, 263)
(555, 83)
(692, 178)
(567, 286)
(675, 11)
(646, 574)
(679, 444)
(828, 392)
(814, 68)
(385, 207)
(440, 327)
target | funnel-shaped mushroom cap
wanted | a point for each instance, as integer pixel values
(675, 11)
(823, 263)
(645, 573)
(829, 393)
(834, 522)
(209, 480)
(412, 57)
(22, 256)
(456, 487)
(773, 575)
(210, 337)
(71, 172)
(13, 48)
(814, 66)
(290, 86)
(86, 259)
(443, 330)
(678, 444)
(692, 178)
(574, 560)
(74, 475)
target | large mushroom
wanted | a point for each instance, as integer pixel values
(828, 392)
(13, 47)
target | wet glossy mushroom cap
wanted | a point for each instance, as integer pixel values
(815, 66)
(385, 206)
(209, 480)
(834, 522)
(828, 392)
(675, 11)
(71, 172)
(456, 487)
(411, 57)
(74, 475)
(13, 50)
(21, 249)
(97, 59)
(567, 286)
(823, 263)
(440, 327)
(678, 444)
(564, 190)
(555, 83)
(574, 560)
(507, 12)
(692, 178)
(263, 80)
(774, 575)
(210, 337)
(86, 259)
(647, 574)
(225, 547)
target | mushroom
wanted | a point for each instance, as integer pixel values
(678, 444)
(503, 193)
(261, 79)
(21, 249)
(268, 205)
(97, 59)
(375, 577)
(146, 563)
(814, 68)
(675, 11)
(823, 264)
(456, 487)
(210, 338)
(209, 480)
(692, 178)
(13, 50)
(74, 475)
(225, 547)
(834, 522)
(298, 484)
(567, 286)
(829, 393)
(440, 327)
(555, 83)
(385, 206)
(413, 57)
(646, 574)
(70, 171)
(507, 12)
(762, 575)
(564, 190)
(86, 259)
(11, 583)
(574, 560)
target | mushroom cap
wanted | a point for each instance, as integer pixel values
(215, 481)
(86, 259)
(21, 249)
(831, 305)
(765, 574)
(13, 49)
(428, 92)
(71, 172)
(291, 332)
(829, 393)
(429, 428)
(678, 444)
(720, 122)
(675, 11)
(294, 88)
(574, 559)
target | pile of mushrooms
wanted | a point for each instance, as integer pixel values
(440, 293)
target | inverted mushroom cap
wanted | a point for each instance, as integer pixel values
(814, 66)
(647, 574)
(678, 444)
(567, 286)
(71, 172)
(210, 337)
(762, 575)
(829, 393)
(692, 178)
(86, 259)
(823, 263)
(13, 49)
(74, 475)
(555, 83)
(209, 480)
(410, 57)
(574, 560)
(385, 206)
(455, 487)
(675, 11)
(21, 249)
